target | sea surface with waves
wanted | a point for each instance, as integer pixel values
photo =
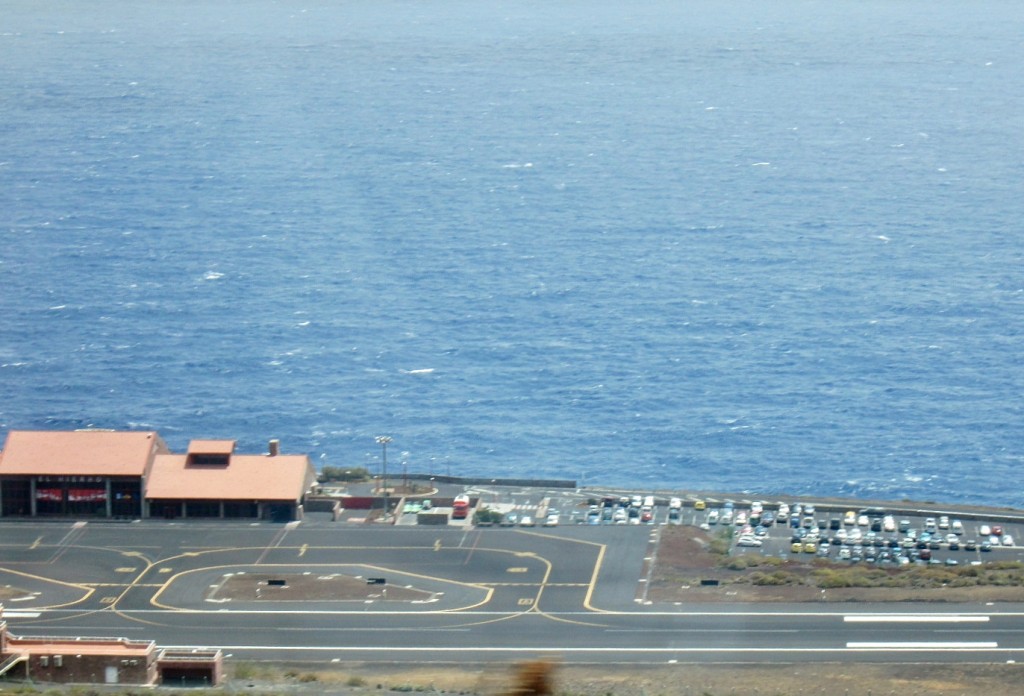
(744, 246)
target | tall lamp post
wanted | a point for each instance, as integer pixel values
(383, 441)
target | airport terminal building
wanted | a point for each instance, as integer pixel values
(134, 475)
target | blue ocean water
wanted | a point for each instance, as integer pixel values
(745, 246)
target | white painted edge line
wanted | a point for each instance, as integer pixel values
(913, 618)
(922, 646)
(384, 649)
(21, 614)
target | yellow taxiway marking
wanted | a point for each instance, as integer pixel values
(165, 570)
(124, 569)
(517, 570)
(35, 544)
(108, 600)
(525, 601)
(537, 584)
(302, 550)
(437, 545)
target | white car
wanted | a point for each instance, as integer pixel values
(551, 521)
(748, 541)
(525, 521)
(1007, 540)
(984, 530)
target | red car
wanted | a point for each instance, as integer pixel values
(997, 530)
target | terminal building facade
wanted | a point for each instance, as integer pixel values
(134, 475)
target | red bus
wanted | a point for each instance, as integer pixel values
(460, 508)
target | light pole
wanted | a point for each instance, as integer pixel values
(383, 441)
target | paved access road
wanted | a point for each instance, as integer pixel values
(494, 594)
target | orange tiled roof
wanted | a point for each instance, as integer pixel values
(211, 447)
(79, 453)
(247, 477)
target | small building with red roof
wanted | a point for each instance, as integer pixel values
(212, 480)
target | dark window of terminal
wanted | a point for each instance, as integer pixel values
(202, 509)
(209, 459)
(246, 510)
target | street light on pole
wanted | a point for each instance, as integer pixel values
(383, 441)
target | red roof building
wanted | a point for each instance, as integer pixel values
(133, 474)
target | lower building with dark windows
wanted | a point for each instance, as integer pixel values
(133, 475)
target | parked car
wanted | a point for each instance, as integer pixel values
(1007, 540)
(509, 520)
(526, 521)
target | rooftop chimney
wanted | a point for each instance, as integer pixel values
(274, 447)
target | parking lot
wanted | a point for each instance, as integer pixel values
(874, 535)
(844, 532)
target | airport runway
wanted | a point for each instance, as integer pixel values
(485, 595)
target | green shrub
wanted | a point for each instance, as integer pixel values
(485, 516)
(339, 473)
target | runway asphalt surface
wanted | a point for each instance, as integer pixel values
(495, 594)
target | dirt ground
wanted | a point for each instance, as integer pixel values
(297, 587)
(784, 679)
(683, 561)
